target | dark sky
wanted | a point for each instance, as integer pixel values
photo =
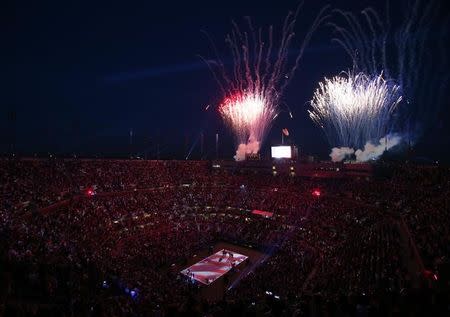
(78, 75)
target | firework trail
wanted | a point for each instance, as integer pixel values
(252, 88)
(353, 109)
(402, 53)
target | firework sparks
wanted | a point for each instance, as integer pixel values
(248, 115)
(355, 108)
(400, 49)
(252, 89)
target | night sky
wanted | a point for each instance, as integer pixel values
(77, 76)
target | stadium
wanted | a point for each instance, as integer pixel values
(225, 158)
(184, 237)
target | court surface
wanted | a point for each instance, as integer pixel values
(214, 266)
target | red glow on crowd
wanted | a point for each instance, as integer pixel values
(316, 192)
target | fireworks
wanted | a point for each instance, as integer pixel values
(355, 108)
(249, 115)
(400, 49)
(260, 72)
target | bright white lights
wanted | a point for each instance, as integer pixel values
(281, 152)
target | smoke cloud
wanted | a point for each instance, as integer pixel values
(371, 151)
(339, 153)
(252, 147)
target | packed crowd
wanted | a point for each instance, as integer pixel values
(43, 182)
(346, 253)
